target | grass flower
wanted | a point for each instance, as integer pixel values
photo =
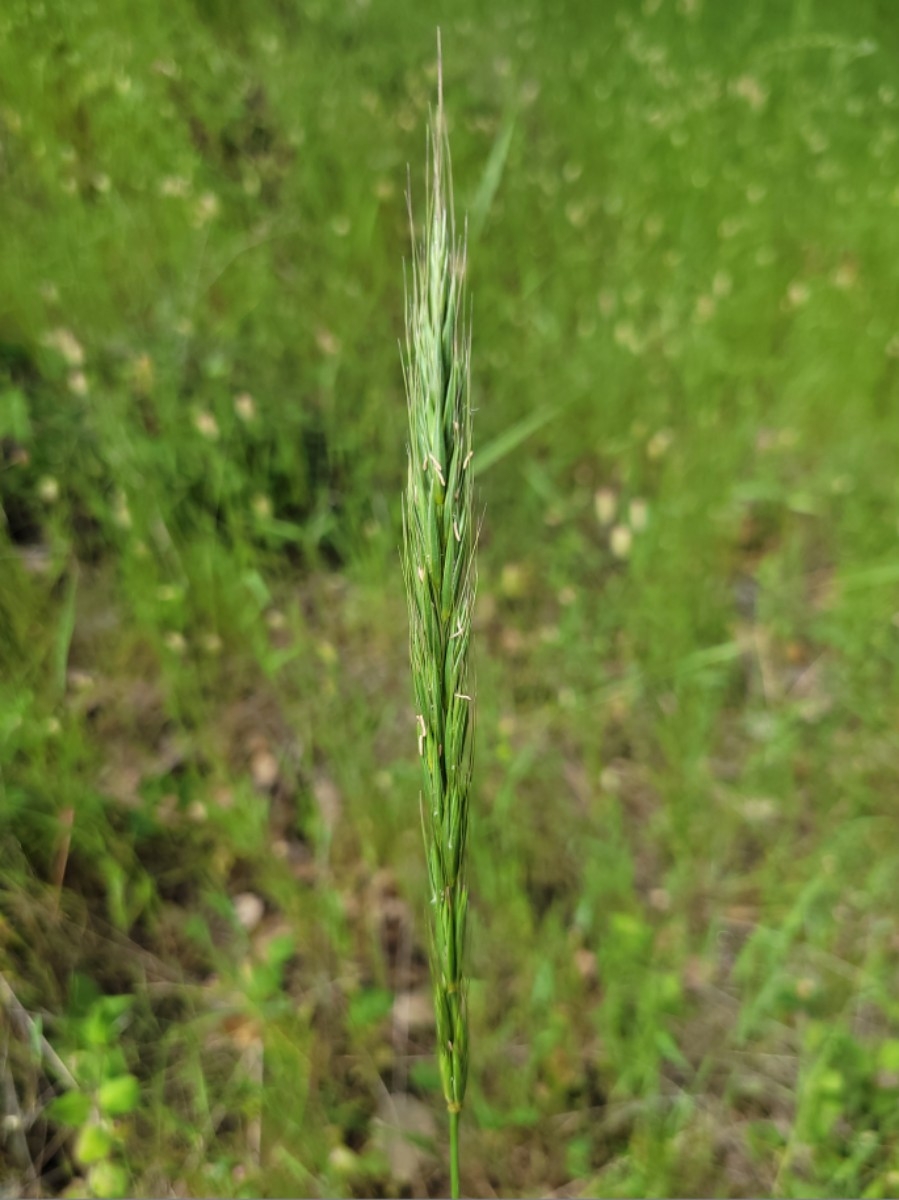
(439, 539)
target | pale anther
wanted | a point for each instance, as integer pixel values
(438, 469)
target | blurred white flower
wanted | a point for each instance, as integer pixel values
(798, 293)
(64, 342)
(326, 341)
(605, 502)
(245, 406)
(638, 515)
(748, 88)
(620, 541)
(206, 424)
(659, 444)
(48, 489)
(175, 642)
(174, 185)
(78, 383)
(722, 284)
(262, 506)
(206, 209)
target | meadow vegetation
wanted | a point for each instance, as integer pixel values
(683, 844)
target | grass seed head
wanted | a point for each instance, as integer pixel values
(439, 538)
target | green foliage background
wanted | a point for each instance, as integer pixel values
(682, 231)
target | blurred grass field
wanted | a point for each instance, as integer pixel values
(684, 229)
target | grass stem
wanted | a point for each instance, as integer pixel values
(454, 1155)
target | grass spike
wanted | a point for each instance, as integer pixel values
(439, 542)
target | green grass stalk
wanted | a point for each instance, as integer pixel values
(439, 539)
